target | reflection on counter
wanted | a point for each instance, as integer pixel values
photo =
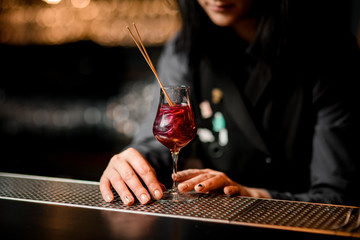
(124, 228)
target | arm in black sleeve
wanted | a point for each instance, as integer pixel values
(334, 168)
(335, 163)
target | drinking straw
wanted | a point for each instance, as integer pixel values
(148, 60)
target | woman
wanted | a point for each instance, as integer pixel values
(275, 108)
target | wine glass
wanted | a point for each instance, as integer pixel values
(175, 127)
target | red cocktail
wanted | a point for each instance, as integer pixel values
(175, 127)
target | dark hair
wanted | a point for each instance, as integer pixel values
(271, 40)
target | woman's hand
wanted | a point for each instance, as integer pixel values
(125, 172)
(206, 180)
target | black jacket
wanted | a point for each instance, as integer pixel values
(291, 128)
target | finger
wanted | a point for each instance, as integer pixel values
(105, 189)
(188, 174)
(190, 184)
(212, 183)
(147, 174)
(232, 190)
(121, 188)
(134, 183)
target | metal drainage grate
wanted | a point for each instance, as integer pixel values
(279, 214)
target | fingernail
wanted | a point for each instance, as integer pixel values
(108, 198)
(157, 194)
(126, 200)
(200, 186)
(144, 198)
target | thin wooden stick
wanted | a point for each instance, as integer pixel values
(148, 60)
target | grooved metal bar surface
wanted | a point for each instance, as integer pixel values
(276, 214)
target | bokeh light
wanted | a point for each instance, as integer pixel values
(52, 1)
(102, 21)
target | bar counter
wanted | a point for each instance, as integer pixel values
(38, 207)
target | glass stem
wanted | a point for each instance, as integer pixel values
(175, 156)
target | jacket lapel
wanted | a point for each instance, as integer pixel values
(241, 116)
(255, 86)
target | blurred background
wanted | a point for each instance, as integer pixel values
(74, 88)
(73, 85)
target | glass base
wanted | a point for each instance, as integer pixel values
(176, 196)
